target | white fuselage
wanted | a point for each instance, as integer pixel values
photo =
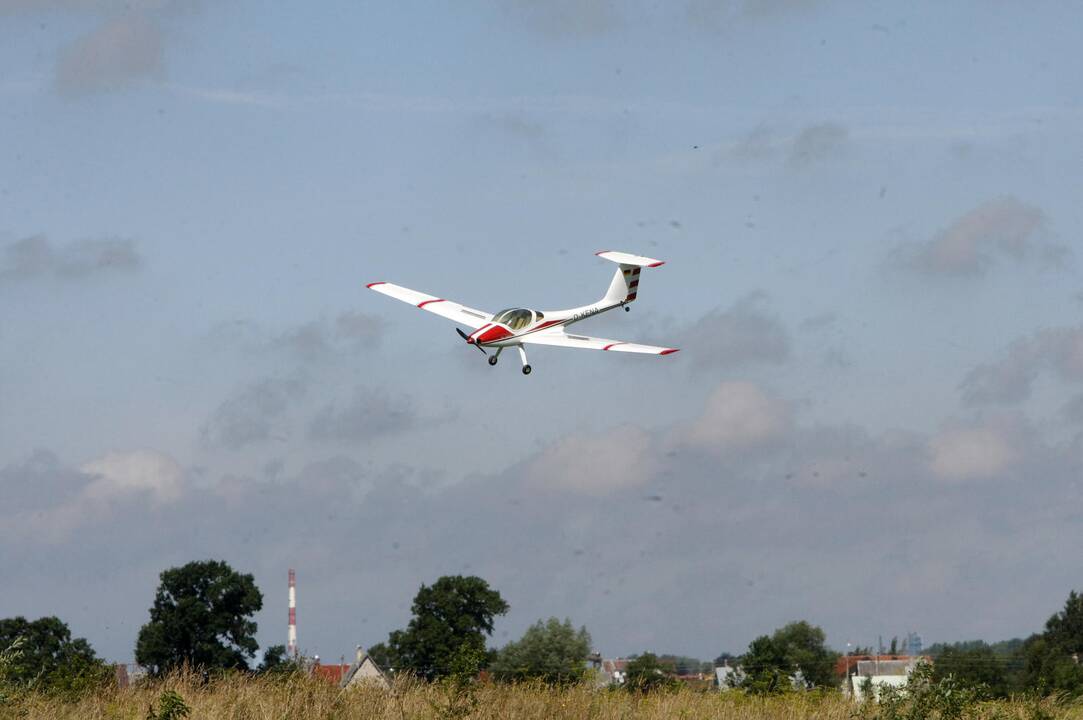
(508, 333)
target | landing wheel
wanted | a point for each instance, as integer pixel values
(627, 309)
(492, 360)
(526, 369)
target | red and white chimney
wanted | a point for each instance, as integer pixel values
(291, 642)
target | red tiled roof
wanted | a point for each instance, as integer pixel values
(331, 673)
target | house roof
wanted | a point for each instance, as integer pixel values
(368, 669)
(330, 673)
(614, 665)
(847, 664)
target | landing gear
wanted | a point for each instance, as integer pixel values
(492, 358)
(526, 365)
(627, 308)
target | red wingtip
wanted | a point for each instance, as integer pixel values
(657, 264)
(381, 282)
(667, 351)
(600, 252)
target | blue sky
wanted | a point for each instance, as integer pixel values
(869, 215)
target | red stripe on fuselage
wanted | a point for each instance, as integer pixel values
(471, 337)
(426, 302)
(612, 344)
(493, 334)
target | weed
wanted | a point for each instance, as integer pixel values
(171, 706)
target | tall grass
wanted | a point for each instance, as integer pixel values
(246, 698)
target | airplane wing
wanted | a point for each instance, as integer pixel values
(445, 308)
(563, 339)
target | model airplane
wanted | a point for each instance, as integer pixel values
(516, 327)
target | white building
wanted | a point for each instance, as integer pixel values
(728, 677)
(875, 674)
(364, 671)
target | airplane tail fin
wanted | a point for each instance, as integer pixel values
(625, 284)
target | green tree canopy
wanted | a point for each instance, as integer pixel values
(276, 662)
(974, 665)
(456, 611)
(646, 672)
(685, 665)
(1051, 660)
(201, 616)
(795, 648)
(48, 657)
(553, 651)
(1064, 630)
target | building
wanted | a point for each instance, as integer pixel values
(128, 674)
(728, 677)
(607, 671)
(364, 671)
(881, 671)
(331, 673)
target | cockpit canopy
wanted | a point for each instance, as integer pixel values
(517, 318)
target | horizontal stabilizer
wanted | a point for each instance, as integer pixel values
(628, 259)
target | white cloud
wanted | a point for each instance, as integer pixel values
(618, 459)
(119, 474)
(972, 453)
(1002, 229)
(738, 416)
(123, 50)
(1009, 379)
(94, 494)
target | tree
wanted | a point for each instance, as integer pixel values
(1051, 659)
(201, 616)
(766, 667)
(798, 647)
(276, 662)
(975, 666)
(552, 651)
(47, 657)
(725, 658)
(455, 613)
(645, 673)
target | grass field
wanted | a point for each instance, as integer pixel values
(247, 698)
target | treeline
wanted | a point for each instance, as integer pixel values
(1046, 663)
(202, 618)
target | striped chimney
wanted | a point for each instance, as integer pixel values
(291, 643)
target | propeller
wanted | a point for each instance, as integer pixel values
(467, 339)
